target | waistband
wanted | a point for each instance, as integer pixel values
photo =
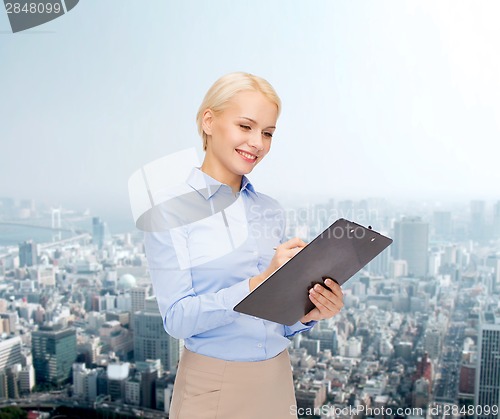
(218, 366)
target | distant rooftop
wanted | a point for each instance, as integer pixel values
(491, 317)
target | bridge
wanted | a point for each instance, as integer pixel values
(42, 227)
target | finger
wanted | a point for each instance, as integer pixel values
(296, 250)
(295, 242)
(323, 311)
(327, 297)
(334, 286)
(333, 295)
(329, 303)
(288, 253)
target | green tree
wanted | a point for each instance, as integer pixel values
(12, 412)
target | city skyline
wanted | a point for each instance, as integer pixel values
(409, 339)
(29, 212)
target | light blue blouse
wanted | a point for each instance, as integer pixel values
(201, 258)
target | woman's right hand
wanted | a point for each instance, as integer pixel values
(284, 252)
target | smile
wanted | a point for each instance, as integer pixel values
(247, 156)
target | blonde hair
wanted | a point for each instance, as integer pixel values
(225, 88)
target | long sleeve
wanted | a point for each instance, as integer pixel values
(298, 328)
(202, 249)
(184, 312)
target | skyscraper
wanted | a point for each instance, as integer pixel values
(477, 227)
(28, 254)
(138, 297)
(411, 242)
(380, 265)
(54, 351)
(99, 232)
(85, 381)
(493, 261)
(149, 372)
(118, 374)
(496, 220)
(487, 383)
(151, 341)
(10, 352)
(442, 224)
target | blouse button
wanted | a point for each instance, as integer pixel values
(259, 345)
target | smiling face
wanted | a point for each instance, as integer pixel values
(239, 137)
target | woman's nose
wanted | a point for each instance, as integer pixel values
(255, 140)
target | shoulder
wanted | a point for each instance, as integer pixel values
(268, 207)
(269, 201)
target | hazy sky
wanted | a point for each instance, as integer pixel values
(380, 98)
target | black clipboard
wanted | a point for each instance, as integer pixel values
(340, 251)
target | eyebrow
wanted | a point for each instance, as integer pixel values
(251, 120)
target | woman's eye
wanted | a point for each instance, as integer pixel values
(268, 134)
(245, 126)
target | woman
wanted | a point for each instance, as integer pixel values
(218, 249)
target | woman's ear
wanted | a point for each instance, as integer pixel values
(207, 120)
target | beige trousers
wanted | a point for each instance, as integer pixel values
(211, 388)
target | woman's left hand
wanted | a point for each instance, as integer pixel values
(328, 301)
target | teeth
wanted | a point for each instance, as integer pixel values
(248, 156)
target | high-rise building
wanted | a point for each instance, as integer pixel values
(477, 227)
(54, 351)
(89, 347)
(424, 368)
(496, 220)
(85, 382)
(151, 341)
(380, 265)
(117, 377)
(398, 268)
(102, 381)
(149, 372)
(328, 339)
(133, 390)
(411, 242)
(433, 342)
(26, 379)
(79, 375)
(164, 387)
(9, 382)
(487, 383)
(116, 338)
(99, 232)
(442, 224)
(311, 345)
(28, 254)
(493, 261)
(421, 393)
(467, 378)
(4, 386)
(138, 297)
(8, 322)
(10, 352)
